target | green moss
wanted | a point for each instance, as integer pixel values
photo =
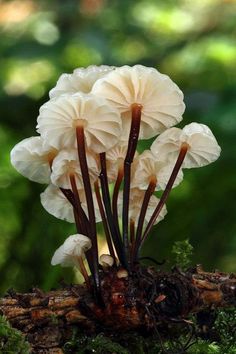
(182, 251)
(11, 340)
(225, 327)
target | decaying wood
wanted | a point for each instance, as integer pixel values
(141, 301)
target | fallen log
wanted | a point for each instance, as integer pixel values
(138, 302)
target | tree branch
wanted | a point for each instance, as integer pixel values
(141, 301)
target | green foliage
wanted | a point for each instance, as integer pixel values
(225, 325)
(182, 252)
(98, 344)
(11, 340)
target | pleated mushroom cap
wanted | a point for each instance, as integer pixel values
(147, 166)
(136, 200)
(160, 97)
(56, 204)
(203, 148)
(59, 118)
(67, 163)
(81, 80)
(32, 158)
(74, 246)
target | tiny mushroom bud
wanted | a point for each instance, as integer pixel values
(32, 157)
(122, 273)
(81, 80)
(74, 247)
(106, 261)
(202, 147)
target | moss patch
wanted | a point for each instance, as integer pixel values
(11, 340)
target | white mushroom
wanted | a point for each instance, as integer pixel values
(160, 98)
(74, 246)
(72, 252)
(56, 204)
(59, 118)
(136, 200)
(81, 80)
(106, 261)
(147, 168)
(202, 145)
(67, 163)
(33, 158)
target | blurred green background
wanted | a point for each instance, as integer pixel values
(194, 42)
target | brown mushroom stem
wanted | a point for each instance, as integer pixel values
(89, 199)
(107, 204)
(84, 272)
(78, 210)
(149, 192)
(136, 111)
(178, 164)
(81, 221)
(104, 219)
(115, 196)
(132, 236)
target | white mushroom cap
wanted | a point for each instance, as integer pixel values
(74, 246)
(67, 163)
(106, 260)
(203, 147)
(115, 159)
(147, 166)
(81, 80)
(160, 97)
(56, 204)
(136, 200)
(32, 158)
(59, 118)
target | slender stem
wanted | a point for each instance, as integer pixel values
(132, 144)
(81, 220)
(115, 197)
(77, 221)
(84, 272)
(178, 164)
(78, 208)
(132, 234)
(69, 195)
(89, 199)
(107, 204)
(104, 219)
(143, 211)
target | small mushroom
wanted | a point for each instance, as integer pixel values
(72, 252)
(202, 147)
(122, 273)
(106, 261)
(32, 157)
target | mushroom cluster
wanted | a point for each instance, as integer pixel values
(86, 152)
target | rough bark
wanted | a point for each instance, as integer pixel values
(139, 302)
